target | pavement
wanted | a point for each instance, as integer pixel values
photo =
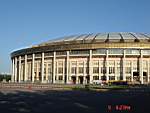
(74, 101)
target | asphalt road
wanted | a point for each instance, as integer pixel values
(13, 101)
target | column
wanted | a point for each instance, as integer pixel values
(13, 74)
(67, 70)
(131, 71)
(116, 70)
(19, 68)
(99, 66)
(37, 71)
(56, 72)
(54, 67)
(141, 67)
(148, 71)
(15, 66)
(25, 68)
(77, 75)
(42, 68)
(46, 72)
(64, 64)
(90, 67)
(84, 72)
(107, 66)
(33, 57)
(123, 66)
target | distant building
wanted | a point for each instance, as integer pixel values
(82, 59)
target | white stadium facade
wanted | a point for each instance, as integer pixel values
(86, 58)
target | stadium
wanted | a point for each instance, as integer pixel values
(85, 59)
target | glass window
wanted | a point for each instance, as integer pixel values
(49, 70)
(60, 63)
(128, 63)
(95, 69)
(118, 70)
(80, 69)
(99, 51)
(29, 56)
(60, 78)
(128, 78)
(135, 51)
(38, 55)
(60, 70)
(111, 70)
(95, 77)
(79, 52)
(81, 63)
(102, 70)
(73, 70)
(111, 77)
(48, 54)
(60, 53)
(95, 63)
(128, 70)
(44, 70)
(132, 51)
(73, 63)
(146, 52)
(87, 70)
(115, 51)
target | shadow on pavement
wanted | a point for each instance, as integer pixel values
(74, 102)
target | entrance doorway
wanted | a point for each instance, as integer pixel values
(136, 76)
(145, 77)
(40, 77)
(87, 79)
(80, 79)
(73, 79)
(144, 73)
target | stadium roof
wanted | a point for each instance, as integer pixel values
(91, 41)
(101, 37)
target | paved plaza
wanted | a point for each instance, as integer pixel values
(73, 101)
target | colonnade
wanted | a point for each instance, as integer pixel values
(16, 67)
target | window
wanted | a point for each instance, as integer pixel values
(60, 70)
(95, 63)
(118, 70)
(44, 70)
(60, 77)
(73, 70)
(146, 52)
(95, 77)
(80, 69)
(95, 69)
(73, 63)
(79, 52)
(99, 51)
(128, 63)
(60, 53)
(102, 70)
(87, 70)
(38, 55)
(128, 70)
(132, 51)
(29, 56)
(48, 54)
(81, 63)
(128, 78)
(111, 77)
(115, 51)
(60, 63)
(49, 70)
(111, 70)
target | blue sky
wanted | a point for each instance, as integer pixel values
(28, 22)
